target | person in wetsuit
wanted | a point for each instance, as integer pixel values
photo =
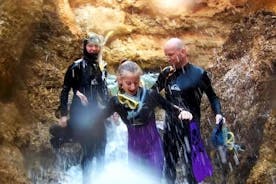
(184, 85)
(136, 105)
(90, 92)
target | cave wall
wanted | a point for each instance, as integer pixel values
(17, 23)
(39, 39)
(244, 77)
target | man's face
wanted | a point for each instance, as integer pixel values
(92, 48)
(175, 56)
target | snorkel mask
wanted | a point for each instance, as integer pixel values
(128, 101)
(131, 102)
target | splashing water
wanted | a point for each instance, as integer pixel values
(118, 167)
(64, 167)
(114, 172)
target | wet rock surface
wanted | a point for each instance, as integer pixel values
(244, 75)
(39, 40)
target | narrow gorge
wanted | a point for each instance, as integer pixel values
(235, 40)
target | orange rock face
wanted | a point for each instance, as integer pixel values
(39, 39)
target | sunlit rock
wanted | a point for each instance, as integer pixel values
(40, 39)
(244, 79)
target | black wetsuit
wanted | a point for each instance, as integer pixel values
(141, 115)
(85, 76)
(144, 141)
(184, 88)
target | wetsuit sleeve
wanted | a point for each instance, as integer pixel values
(162, 102)
(67, 85)
(159, 84)
(107, 111)
(161, 80)
(163, 76)
(208, 89)
(104, 92)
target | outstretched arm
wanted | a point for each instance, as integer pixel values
(161, 101)
(108, 110)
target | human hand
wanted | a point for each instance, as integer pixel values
(219, 117)
(185, 115)
(116, 118)
(83, 98)
(63, 121)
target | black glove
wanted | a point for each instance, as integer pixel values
(165, 73)
(161, 80)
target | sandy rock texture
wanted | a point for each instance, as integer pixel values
(233, 39)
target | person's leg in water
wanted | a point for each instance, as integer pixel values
(186, 147)
(93, 144)
(100, 155)
(171, 157)
(88, 154)
(173, 142)
(189, 167)
(92, 149)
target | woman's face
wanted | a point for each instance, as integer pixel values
(129, 82)
(92, 48)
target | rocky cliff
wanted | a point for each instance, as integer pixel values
(39, 39)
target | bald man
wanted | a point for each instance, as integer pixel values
(184, 85)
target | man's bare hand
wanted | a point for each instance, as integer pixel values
(219, 117)
(63, 121)
(83, 98)
(185, 115)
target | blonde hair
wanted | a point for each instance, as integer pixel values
(127, 66)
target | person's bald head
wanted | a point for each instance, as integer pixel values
(175, 51)
(174, 43)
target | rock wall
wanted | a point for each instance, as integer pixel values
(39, 39)
(17, 23)
(244, 73)
(17, 20)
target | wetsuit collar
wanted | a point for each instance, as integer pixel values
(183, 69)
(90, 59)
